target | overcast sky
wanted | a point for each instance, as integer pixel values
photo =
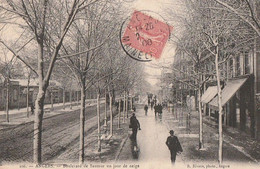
(156, 6)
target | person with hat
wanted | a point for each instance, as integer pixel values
(174, 145)
(135, 125)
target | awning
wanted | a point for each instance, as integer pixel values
(228, 92)
(209, 94)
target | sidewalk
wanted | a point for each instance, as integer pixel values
(153, 151)
(17, 117)
(13, 113)
(236, 146)
(240, 140)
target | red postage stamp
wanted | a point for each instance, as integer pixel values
(146, 34)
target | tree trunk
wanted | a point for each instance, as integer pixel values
(37, 139)
(124, 109)
(111, 113)
(27, 99)
(98, 118)
(51, 100)
(126, 105)
(131, 103)
(39, 109)
(7, 101)
(105, 120)
(18, 95)
(119, 114)
(201, 120)
(82, 124)
(220, 152)
(181, 112)
(70, 99)
(63, 98)
(77, 98)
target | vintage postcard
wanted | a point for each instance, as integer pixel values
(130, 84)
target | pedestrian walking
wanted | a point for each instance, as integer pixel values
(159, 109)
(155, 109)
(174, 145)
(146, 109)
(135, 125)
(152, 103)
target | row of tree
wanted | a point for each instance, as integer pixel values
(72, 41)
(210, 33)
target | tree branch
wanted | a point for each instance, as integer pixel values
(18, 57)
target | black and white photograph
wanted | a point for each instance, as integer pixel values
(130, 84)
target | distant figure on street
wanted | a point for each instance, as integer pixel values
(156, 109)
(135, 125)
(174, 145)
(146, 109)
(159, 107)
(32, 108)
(152, 103)
(134, 108)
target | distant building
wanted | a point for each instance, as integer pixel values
(18, 93)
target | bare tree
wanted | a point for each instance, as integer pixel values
(245, 10)
(36, 17)
(94, 27)
(208, 37)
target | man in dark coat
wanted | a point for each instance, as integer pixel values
(135, 125)
(159, 109)
(174, 145)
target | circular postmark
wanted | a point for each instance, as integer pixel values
(143, 37)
